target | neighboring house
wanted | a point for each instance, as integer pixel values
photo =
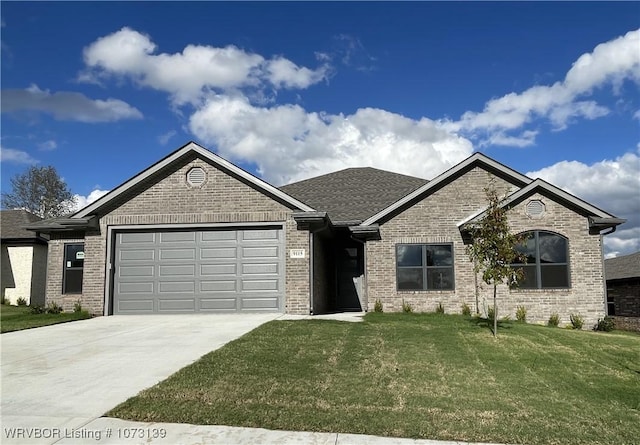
(195, 233)
(24, 258)
(623, 285)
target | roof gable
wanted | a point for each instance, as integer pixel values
(174, 157)
(477, 159)
(353, 194)
(599, 219)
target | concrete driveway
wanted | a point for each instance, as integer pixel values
(58, 378)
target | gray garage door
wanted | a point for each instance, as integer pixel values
(199, 271)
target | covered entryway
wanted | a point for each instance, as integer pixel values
(204, 270)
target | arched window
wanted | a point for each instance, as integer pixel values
(547, 261)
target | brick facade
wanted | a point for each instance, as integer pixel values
(171, 200)
(625, 294)
(435, 220)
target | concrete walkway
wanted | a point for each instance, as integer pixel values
(108, 431)
(64, 376)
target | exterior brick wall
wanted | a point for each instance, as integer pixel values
(627, 323)
(171, 200)
(435, 219)
(626, 296)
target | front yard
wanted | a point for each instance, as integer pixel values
(16, 318)
(412, 375)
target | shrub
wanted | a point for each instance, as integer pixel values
(439, 309)
(605, 324)
(53, 308)
(521, 314)
(576, 321)
(466, 310)
(406, 307)
(377, 307)
(21, 301)
(37, 309)
(554, 320)
(490, 313)
(77, 306)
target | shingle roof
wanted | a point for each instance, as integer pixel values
(13, 221)
(622, 267)
(353, 194)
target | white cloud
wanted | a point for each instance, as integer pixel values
(163, 139)
(283, 73)
(197, 70)
(67, 105)
(612, 185)
(612, 63)
(288, 143)
(48, 145)
(16, 156)
(83, 201)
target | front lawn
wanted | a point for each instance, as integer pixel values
(412, 375)
(16, 318)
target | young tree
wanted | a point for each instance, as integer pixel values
(493, 248)
(41, 191)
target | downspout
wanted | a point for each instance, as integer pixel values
(604, 278)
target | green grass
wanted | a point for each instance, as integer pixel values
(412, 375)
(17, 318)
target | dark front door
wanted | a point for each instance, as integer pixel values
(349, 265)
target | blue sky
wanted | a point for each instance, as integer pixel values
(293, 90)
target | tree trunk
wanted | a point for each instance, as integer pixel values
(495, 312)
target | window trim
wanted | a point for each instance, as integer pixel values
(65, 269)
(425, 267)
(538, 264)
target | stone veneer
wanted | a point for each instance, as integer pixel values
(171, 200)
(435, 219)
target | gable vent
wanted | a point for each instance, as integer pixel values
(196, 177)
(535, 208)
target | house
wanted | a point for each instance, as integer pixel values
(195, 233)
(24, 258)
(623, 288)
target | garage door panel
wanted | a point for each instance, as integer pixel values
(177, 270)
(218, 269)
(259, 235)
(193, 271)
(136, 271)
(137, 238)
(136, 255)
(177, 305)
(135, 306)
(177, 237)
(218, 304)
(178, 254)
(219, 235)
(263, 303)
(143, 287)
(259, 285)
(260, 252)
(218, 286)
(218, 252)
(260, 269)
(176, 286)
